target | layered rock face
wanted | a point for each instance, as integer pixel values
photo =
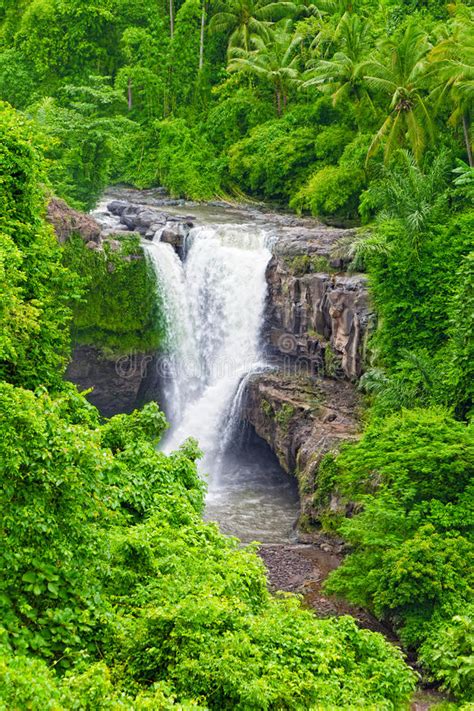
(119, 384)
(317, 315)
(317, 320)
(302, 419)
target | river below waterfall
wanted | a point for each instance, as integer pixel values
(213, 304)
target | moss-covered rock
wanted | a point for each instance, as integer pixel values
(119, 312)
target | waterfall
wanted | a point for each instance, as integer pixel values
(232, 434)
(213, 306)
(179, 364)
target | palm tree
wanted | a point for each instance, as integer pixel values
(331, 8)
(171, 19)
(246, 19)
(453, 71)
(341, 75)
(274, 59)
(400, 75)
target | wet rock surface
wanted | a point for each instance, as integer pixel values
(302, 418)
(319, 318)
(302, 569)
(120, 384)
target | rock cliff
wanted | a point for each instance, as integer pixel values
(317, 321)
(302, 418)
(114, 343)
(119, 384)
(317, 314)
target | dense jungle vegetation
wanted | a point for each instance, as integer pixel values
(114, 593)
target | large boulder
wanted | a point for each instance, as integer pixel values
(117, 207)
(67, 222)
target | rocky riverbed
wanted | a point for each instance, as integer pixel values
(302, 569)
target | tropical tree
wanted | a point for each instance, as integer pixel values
(341, 74)
(142, 77)
(246, 19)
(453, 70)
(171, 19)
(274, 59)
(400, 74)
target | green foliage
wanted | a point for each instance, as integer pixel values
(140, 79)
(16, 81)
(284, 415)
(67, 40)
(399, 74)
(187, 161)
(393, 79)
(274, 59)
(412, 541)
(234, 116)
(34, 342)
(107, 555)
(247, 20)
(52, 475)
(273, 159)
(417, 287)
(334, 190)
(185, 53)
(460, 351)
(80, 139)
(448, 651)
(120, 311)
(179, 157)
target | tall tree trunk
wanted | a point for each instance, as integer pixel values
(467, 139)
(278, 100)
(201, 40)
(129, 94)
(171, 19)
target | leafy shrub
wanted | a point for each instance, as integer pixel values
(412, 312)
(273, 159)
(413, 554)
(334, 190)
(331, 142)
(120, 311)
(233, 117)
(173, 155)
(16, 79)
(34, 341)
(448, 653)
(80, 140)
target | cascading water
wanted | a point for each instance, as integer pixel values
(180, 363)
(224, 277)
(213, 306)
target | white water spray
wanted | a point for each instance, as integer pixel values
(180, 363)
(213, 308)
